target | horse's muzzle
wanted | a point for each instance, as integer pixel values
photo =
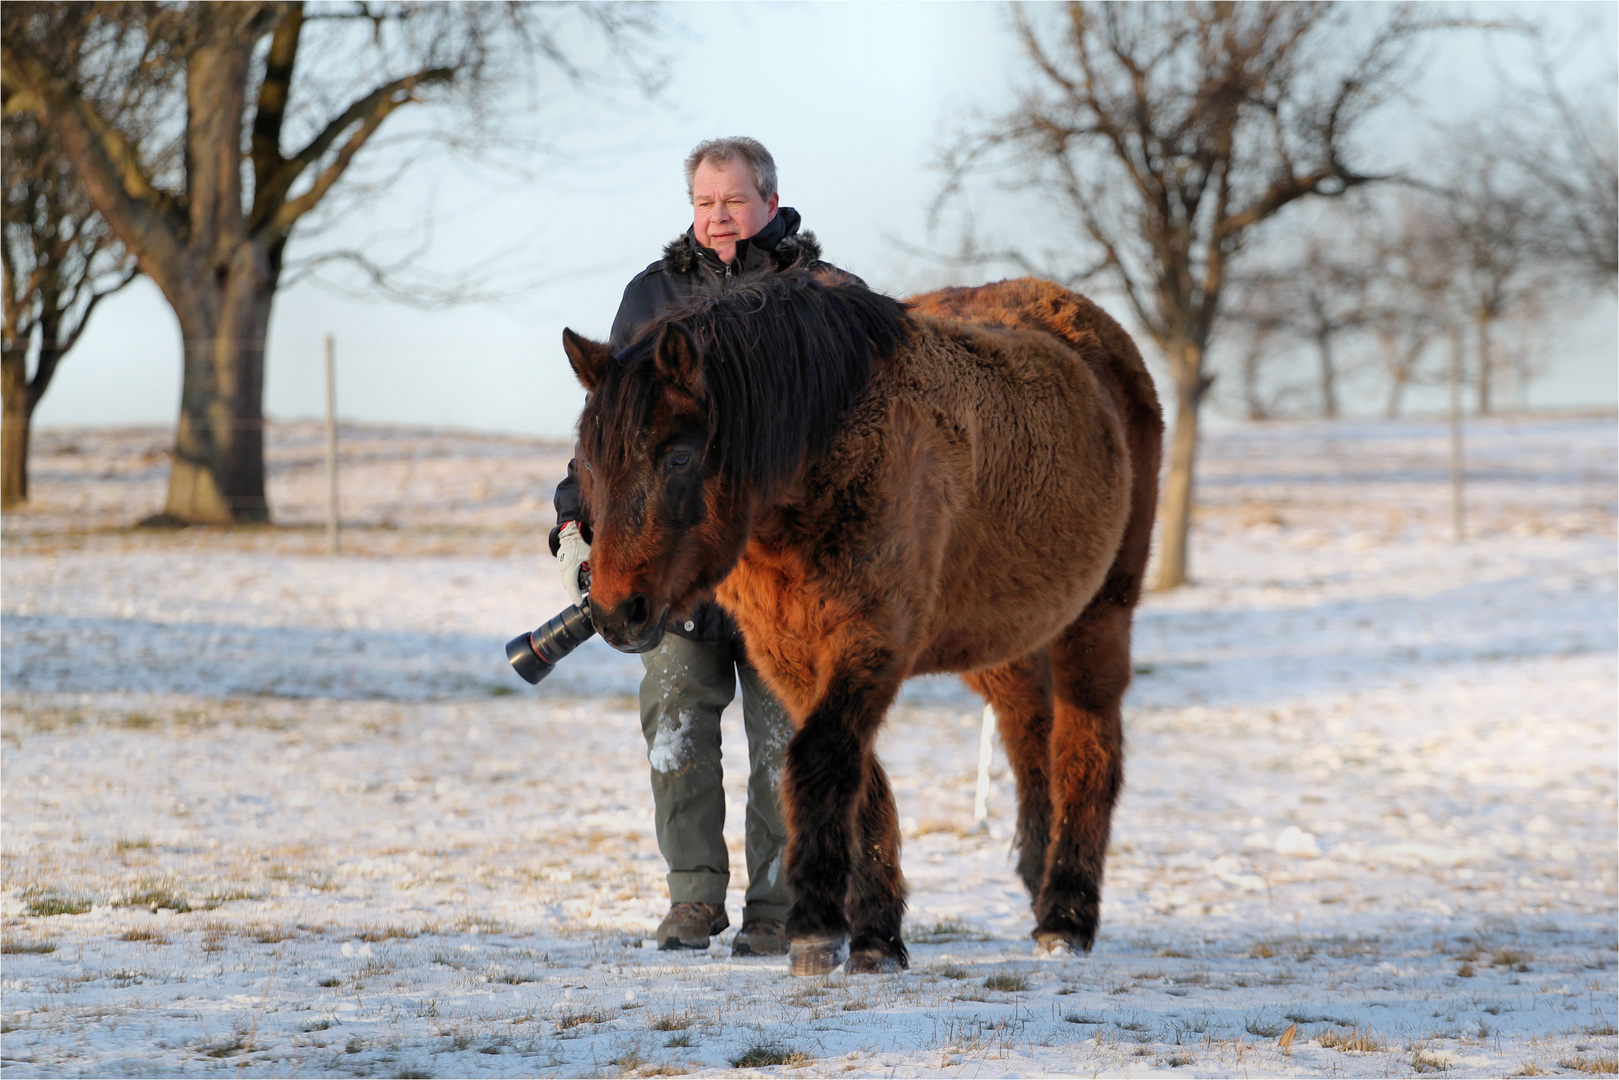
(630, 627)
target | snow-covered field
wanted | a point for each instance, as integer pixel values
(273, 812)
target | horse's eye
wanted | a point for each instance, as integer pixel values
(679, 459)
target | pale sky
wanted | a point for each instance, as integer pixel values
(853, 101)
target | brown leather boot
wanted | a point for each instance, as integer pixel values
(690, 925)
(761, 937)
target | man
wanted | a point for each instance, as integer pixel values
(738, 227)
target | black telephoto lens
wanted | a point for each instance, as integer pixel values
(534, 655)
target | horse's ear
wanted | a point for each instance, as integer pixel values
(588, 358)
(675, 360)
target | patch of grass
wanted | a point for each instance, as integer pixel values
(14, 947)
(155, 894)
(471, 923)
(1262, 951)
(1175, 954)
(329, 981)
(1076, 1018)
(1007, 983)
(1511, 958)
(670, 1022)
(226, 1048)
(1354, 1039)
(1597, 1066)
(354, 1045)
(126, 843)
(939, 933)
(513, 978)
(52, 904)
(1263, 1029)
(592, 1015)
(765, 1055)
(226, 896)
(317, 1025)
(142, 934)
(385, 933)
(1529, 1068)
(139, 721)
(954, 971)
(1424, 1062)
(683, 1038)
(1465, 971)
(1175, 1061)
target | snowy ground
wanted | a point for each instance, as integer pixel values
(273, 812)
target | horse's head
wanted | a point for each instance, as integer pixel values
(667, 525)
(702, 421)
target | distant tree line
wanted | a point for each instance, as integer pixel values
(1518, 221)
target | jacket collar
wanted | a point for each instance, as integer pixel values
(775, 247)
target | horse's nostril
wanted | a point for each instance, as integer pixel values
(637, 611)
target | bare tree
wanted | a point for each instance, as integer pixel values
(1502, 234)
(1409, 303)
(270, 104)
(1316, 299)
(1574, 162)
(1159, 136)
(59, 260)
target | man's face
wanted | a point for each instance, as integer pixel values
(726, 207)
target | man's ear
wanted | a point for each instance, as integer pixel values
(588, 358)
(675, 360)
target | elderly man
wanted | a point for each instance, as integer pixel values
(738, 227)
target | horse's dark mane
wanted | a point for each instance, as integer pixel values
(783, 357)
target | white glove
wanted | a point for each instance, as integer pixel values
(574, 555)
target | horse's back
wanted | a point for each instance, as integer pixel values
(1033, 304)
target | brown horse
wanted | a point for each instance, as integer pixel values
(876, 491)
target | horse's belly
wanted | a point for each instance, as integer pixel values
(1004, 629)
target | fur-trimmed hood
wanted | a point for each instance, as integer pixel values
(777, 246)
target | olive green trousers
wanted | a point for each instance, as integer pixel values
(687, 685)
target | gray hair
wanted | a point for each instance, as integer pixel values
(724, 151)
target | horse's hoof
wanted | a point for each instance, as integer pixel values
(1050, 945)
(817, 955)
(873, 962)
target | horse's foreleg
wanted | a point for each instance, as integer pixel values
(1090, 670)
(1020, 693)
(826, 770)
(876, 903)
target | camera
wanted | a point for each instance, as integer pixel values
(536, 654)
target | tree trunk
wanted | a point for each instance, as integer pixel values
(1329, 389)
(1484, 362)
(218, 472)
(1175, 508)
(1391, 410)
(14, 433)
(1250, 387)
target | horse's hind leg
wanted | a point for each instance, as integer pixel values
(1020, 693)
(1090, 670)
(876, 903)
